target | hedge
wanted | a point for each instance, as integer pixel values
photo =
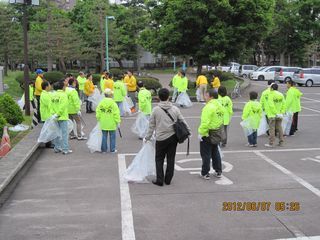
(51, 77)
(150, 83)
(3, 122)
(10, 110)
(223, 76)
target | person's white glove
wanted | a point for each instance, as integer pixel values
(279, 115)
(55, 116)
(79, 113)
(200, 138)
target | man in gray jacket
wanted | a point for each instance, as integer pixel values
(166, 140)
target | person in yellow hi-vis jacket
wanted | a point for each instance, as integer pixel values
(38, 90)
(103, 77)
(175, 81)
(144, 99)
(227, 105)
(108, 83)
(211, 119)
(59, 104)
(202, 83)
(81, 80)
(216, 83)
(74, 109)
(108, 116)
(252, 112)
(276, 109)
(45, 101)
(293, 104)
(131, 83)
(88, 91)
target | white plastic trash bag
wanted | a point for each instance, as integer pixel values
(19, 128)
(245, 124)
(129, 102)
(220, 152)
(263, 126)
(286, 123)
(184, 100)
(49, 131)
(126, 106)
(198, 95)
(95, 139)
(142, 168)
(141, 125)
(95, 98)
(21, 102)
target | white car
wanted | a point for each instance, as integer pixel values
(307, 77)
(265, 74)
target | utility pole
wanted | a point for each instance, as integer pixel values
(25, 58)
(107, 41)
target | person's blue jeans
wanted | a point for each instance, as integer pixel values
(120, 106)
(252, 138)
(62, 143)
(209, 151)
(104, 144)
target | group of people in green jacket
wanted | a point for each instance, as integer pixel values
(275, 106)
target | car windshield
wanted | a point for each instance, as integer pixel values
(260, 68)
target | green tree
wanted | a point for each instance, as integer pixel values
(211, 31)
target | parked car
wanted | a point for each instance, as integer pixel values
(307, 77)
(245, 71)
(267, 73)
(285, 74)
(232, 67)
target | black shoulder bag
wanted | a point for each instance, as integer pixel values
(180, 129)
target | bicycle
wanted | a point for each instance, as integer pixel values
(236, 91)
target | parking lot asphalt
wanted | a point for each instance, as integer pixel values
(264, 193)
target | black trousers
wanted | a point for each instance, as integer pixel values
(294, 125)
(88, 106)
(209, 151)
(38, 108)
(224, 141)
(166, 149)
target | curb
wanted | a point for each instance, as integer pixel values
(17, 162)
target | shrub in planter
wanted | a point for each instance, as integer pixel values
(53, 77)
(20, 78)
(117, 72)
(223, 76)
(3, 122)
(10, 110)
(96, 79)
(150, 83)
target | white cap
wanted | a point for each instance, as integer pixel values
(108, 91)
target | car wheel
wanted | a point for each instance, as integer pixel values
(244, 75)
(287, 79)
(261, 78)
(309, 83)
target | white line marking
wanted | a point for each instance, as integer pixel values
(310, 159)
(248, 151)
(311, 99)
(317, 111)
(304, 183)
(126, 208)
(301, 238)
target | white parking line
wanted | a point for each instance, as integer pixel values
(311, 109)
(301, 238)
(311, 99)
(126, 207)
(304, 183)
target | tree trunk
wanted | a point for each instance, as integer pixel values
(199, 69)
(289, 60)
(62, 65)
(120, 63)
(5, 63)
(49, 50)
(86, 66)
(282, 60)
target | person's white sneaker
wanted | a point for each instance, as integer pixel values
(205, 177)
(115, 151)
(67, 152)
(82, 138)
(217, 175)
(268, 145)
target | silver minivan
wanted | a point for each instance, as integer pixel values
(245, 71)
(285, 74)
(307, 77)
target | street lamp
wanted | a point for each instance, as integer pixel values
(25, 3)
(107, 41)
